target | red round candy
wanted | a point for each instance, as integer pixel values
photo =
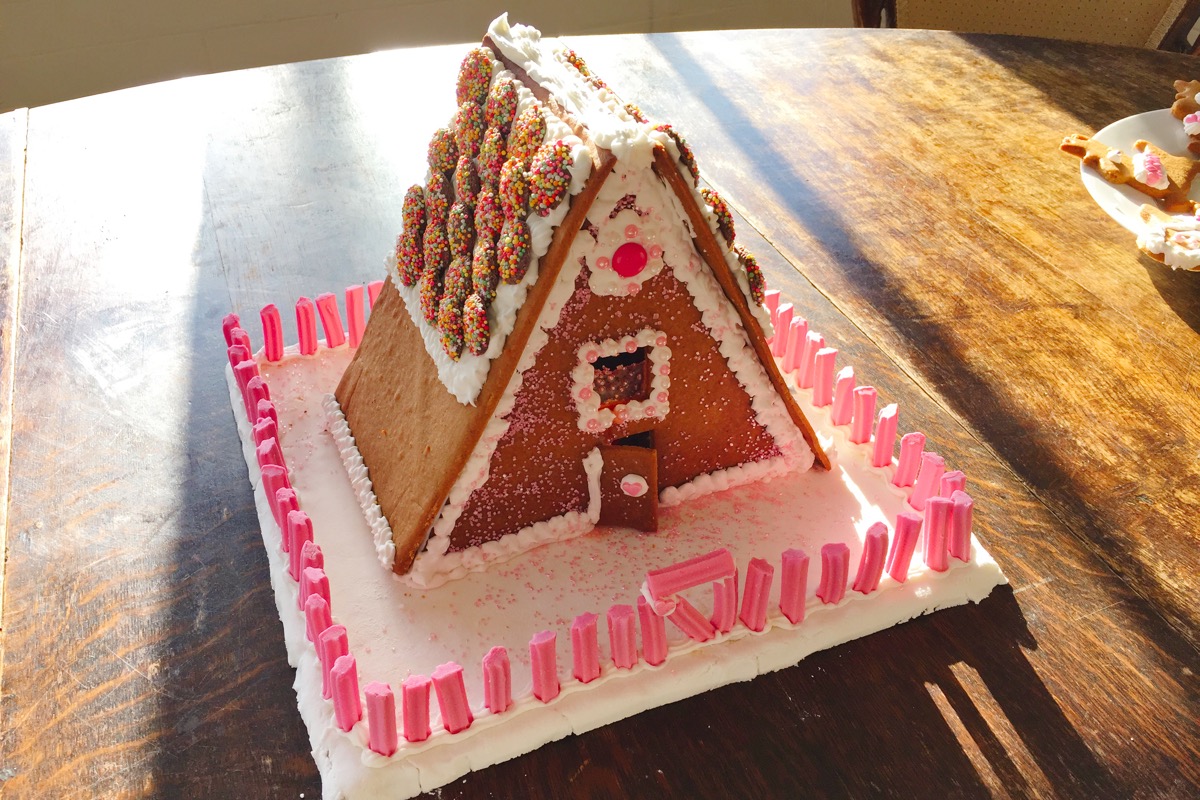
(629, 260)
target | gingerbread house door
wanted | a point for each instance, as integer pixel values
(629, 483)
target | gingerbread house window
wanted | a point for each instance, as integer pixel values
(622, 379)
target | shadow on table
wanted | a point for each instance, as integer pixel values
(1180, 289)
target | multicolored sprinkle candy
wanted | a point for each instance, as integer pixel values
(528, 133)
(754, 275)
(686, 156)
(437, 199)
(436, 249)
(635, 111)
(460, 230)
(549, 177)
(492, 155)
(501, 106)
(466, 181)
(410, 256)
(468, 128)
(514, 247)
(576, 61)
(443, 151)
(450, 323)
(413, 213)
(488, 216)
(485, 272)
(430, 290)
(476, 331)
(514, 189)
(474, 76)
(721, 209)
(456, 282)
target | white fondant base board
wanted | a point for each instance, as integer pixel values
(395, 631)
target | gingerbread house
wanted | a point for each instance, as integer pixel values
(569, 335)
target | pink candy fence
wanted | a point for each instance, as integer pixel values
(945, 525)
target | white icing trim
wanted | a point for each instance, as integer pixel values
(1177, 240)
(593, 418)
(356, 470)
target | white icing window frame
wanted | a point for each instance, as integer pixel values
(593, 418)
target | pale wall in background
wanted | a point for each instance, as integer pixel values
(53, 50)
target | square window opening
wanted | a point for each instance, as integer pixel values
(622, 378)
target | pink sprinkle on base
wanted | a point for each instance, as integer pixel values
(843, 397)
(356, 319)
(497, 680)
(823, 366)
(347, 708)
(870, 564)
(585, 648)
(885, 436)
(796, 334)
(382, 736)
(272, 333)
(937, 521)
(331, 645)
(414, 691)
(783, 324)
(622, 636)
(864, 414)
(911, 447)
(689, 620)
(331, 320)
(794, 585)
(544, 664)
(451, 692)
(813, 344)
(757, 594)
(654, 633)
(306, 326)
(835, 564)
(961, 513)
(373, 290)
(725, 604)
(908, 530)
(929, 480)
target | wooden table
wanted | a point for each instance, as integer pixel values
(904, 188)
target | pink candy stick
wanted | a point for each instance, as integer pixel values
(274, 478)
(813, 344)
(316, 582)
(382, 736)
(864, 414)
(885, 436)
(240, 337)
(937, 523)
(243, 371)
(835, 564)
(953, 481)
(654, 633)
(497, 680)
(960, 525)
(306, 325)
(908, 530)
(870, 564)
(929, 479)
(347, 708)
(783, 322)
(451, 692)
(265, 429)
(771, 301)
(237, 354)
(585, 648)
(266, 409)
(688, 619)
(544, 664)
(299, 533)
(285, 503)
(373, 290)
(823, 364)
(331, 320)
(725, 604)
(310, 557)
(269, 453)
(316, 617)
(331, 645)
(256, 390)
(415, 693)
(702, 569)
(757, 594)
(843, 397)
(911, 447)
(794, 585)
(230, 322)
(622, 636)
(797, 333)
(355, 314)
(272, 332)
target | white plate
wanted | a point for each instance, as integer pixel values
(1121, 202)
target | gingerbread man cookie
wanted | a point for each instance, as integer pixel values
(1173, 240)
(1148, 169)
(1186, 109)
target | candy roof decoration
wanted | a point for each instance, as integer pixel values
(551, 205)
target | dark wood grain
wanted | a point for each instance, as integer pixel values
(904, 189)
